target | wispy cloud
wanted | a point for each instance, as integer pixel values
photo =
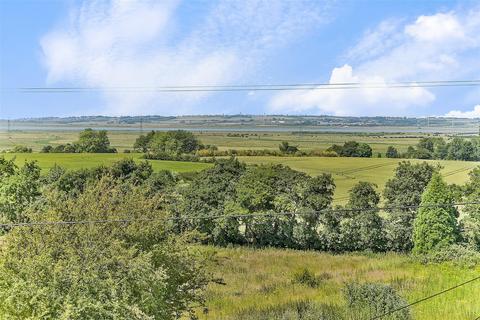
(445, 45)
(136, 43)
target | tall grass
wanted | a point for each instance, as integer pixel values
(261, 282)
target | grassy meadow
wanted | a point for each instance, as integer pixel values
(257, 279)
(349, 171)
(90, 160)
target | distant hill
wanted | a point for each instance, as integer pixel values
(253, 120)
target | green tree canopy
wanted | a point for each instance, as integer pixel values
(174, 142)
(392, 152)
(94, 141)
(435, 227)
(405, 189)
(19, 187)
(98, 271)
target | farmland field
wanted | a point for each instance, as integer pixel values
(349, 171)
(262, 278)
(223, 140)
(90, 160)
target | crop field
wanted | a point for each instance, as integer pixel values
(349, 171)
(223, 140)
(90, 160)
(263, 278)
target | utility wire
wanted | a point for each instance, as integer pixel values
(213, 217)
(253, 87)
(426, 298)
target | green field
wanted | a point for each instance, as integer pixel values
(346, 171)
(262, 278)
(223, 140)
(90, 160)
(349, 171)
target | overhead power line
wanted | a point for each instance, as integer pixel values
(213, 217)
(254, 87)
(425, 299)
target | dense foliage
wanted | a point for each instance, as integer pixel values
(403, 193)
(169, 142)
(89, 140)
(435, 227)
(135, 270)
(352, 149)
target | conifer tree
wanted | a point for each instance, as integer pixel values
(435, 226)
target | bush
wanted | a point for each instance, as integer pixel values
(460, 255)
(104, 271)
(374, 299)
(308, 278)
(297, 310)
(20, 149)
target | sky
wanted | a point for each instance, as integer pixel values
(104, 44)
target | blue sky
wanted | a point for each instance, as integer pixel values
(173, 42)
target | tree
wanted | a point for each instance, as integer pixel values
(440, 149)
(470, 221)
(210, 192)
(174, 142)
(362, 228)
(427, 143)
(94, 142)
(364, 150)
(350, 149)
(266, 189)
(99, 271)
(435, 227)
(317, 195)
(143, 141)
(19, 187)
(285, 147)
(405, 190)
(392, 152)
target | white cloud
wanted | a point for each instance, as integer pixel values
(380, 100)
(436, 28)
(475, 113)
(440, 46)
(140, 43)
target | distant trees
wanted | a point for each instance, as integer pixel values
(352, 149)
(435, 227)
(89, 141)
(457, 148)
(392, 152)
(285, 147)
(171, 142)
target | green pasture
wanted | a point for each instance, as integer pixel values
(262, 278)
(349, 171)
(90, 160)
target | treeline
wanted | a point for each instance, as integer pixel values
(234, 191)
(230, 188)
(89, 140)
(457, 148)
